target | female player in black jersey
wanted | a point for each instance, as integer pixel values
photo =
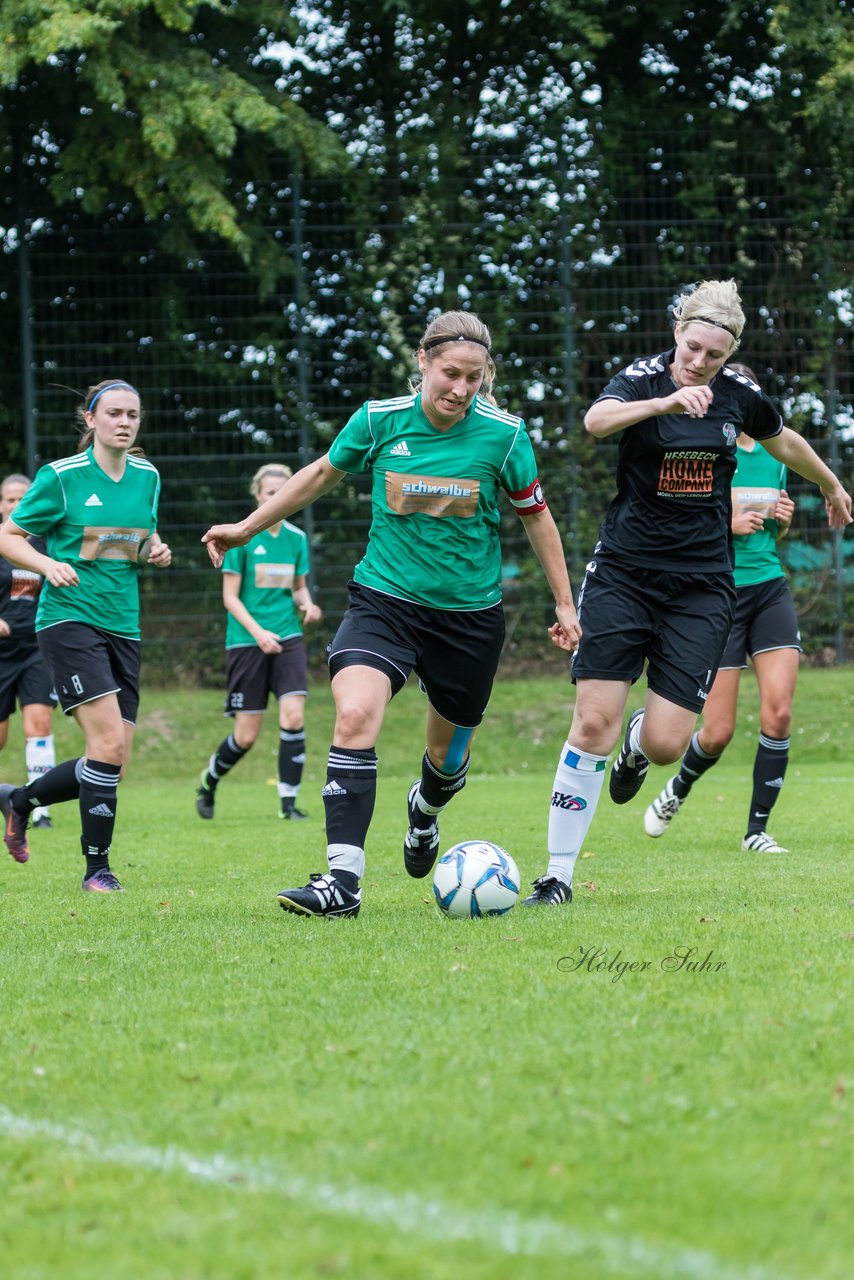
(24, 679)
(660, 586)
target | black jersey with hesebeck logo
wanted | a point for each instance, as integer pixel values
(672, 509)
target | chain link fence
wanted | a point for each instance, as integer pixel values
(574, 282)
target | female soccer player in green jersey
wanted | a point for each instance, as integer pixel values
(426, 597)
(264, 590)
(765, 628)
(97, 512)
(659, 590)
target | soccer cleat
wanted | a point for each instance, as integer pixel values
(324, 895)
(629, 769)
(420, 844)
(43, 821)
(761, 842)
(293, 814)
(662, 811)
(204, 798)
(548, 892)
(102, 881)
(15, 832)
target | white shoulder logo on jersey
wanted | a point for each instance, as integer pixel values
(644, 368)
(260, 551)
(401, 450)
(93, 501)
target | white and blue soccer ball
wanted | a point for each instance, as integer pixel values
(475, 878)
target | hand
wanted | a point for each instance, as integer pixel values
(566, 632)
(220, 537)
(159, 555)
(784, 510)
(311, 612)
(268, 642)
(62, 575)
(838, 506)
(695, 401)
(5, 629)
(746, 522)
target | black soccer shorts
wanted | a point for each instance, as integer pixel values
(454, 652)
(677, 623)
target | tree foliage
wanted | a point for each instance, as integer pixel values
(167, 110)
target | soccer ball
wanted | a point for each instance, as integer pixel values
(475, 878)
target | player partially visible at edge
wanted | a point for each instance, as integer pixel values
(97, 511)
(766, 630)
(426, 597)
(24, 677)
(264, 583)
(660, 586)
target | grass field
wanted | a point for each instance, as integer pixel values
(197, 1085)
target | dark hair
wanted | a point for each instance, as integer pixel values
(90, 399)
(457, 326)
(746, 370)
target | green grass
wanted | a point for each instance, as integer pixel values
(196, 1084)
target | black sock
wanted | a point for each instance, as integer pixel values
(291, 761)
(436, 790)
(98, 785)
(62, 782)
(226, 756)
(695, 763)
(349, 795)
(769, 771)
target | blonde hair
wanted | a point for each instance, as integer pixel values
(714, 302)
(268, 469)
(91, 397)
(456, 326)
(14, 479)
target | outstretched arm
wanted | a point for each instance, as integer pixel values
(793, 450)
(303, 488)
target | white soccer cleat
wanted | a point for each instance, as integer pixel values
(761, 842)
(662, 811)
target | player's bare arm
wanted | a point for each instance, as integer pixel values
(790, 448)
(15, 548)
(303, 488)
(607, 417)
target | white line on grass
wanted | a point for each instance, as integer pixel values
(500, 1230)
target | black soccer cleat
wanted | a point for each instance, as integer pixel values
(15, 833)
(205, 798)
(420, 844)
(292, 814)
(548, 892)
(629, 768)
(324, 895)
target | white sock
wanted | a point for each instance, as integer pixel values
(40, 758)
(577, 788)
(346, 857)
(634, 738)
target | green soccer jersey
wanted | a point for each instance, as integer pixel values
(268, 565)
(756, 486)
(434, 536)
(97, 524)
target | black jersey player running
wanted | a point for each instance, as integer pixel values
(426, 597)
(97, 510)
(24, 678)
(660, 587)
